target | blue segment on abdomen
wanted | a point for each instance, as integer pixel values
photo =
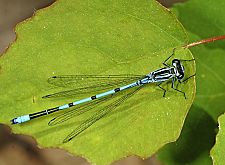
(105, 94)
(146, 80)
(64, 106)
(128, 86)
(82, 101)
(22, 119)
(97, 96)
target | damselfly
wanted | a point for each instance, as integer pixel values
(171, 72)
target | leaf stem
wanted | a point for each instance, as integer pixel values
(205, 41)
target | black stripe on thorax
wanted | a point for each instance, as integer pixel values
(162, 71)
(163, 78)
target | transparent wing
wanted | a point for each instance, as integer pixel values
(80, 81)
(77, 110)
(83, 84)
(100, 114)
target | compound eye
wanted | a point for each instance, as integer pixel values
(175, 61)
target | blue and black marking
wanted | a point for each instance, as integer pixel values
(170, 72)
(70, 104)
(117, 89)
(93, 97)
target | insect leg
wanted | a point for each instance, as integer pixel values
(189, 77)
(164, 91)
(164, 63)
(187, 60)
(173, 81)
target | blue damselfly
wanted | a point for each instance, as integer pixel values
(89, 83)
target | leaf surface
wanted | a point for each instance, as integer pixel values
(202, 20)
(97, 37)
(217, 152)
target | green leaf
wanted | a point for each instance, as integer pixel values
(217, 152)
(201, 24)
(97, 37)
(210, 78)
(194, 143)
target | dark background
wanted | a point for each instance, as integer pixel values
(20, 149)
